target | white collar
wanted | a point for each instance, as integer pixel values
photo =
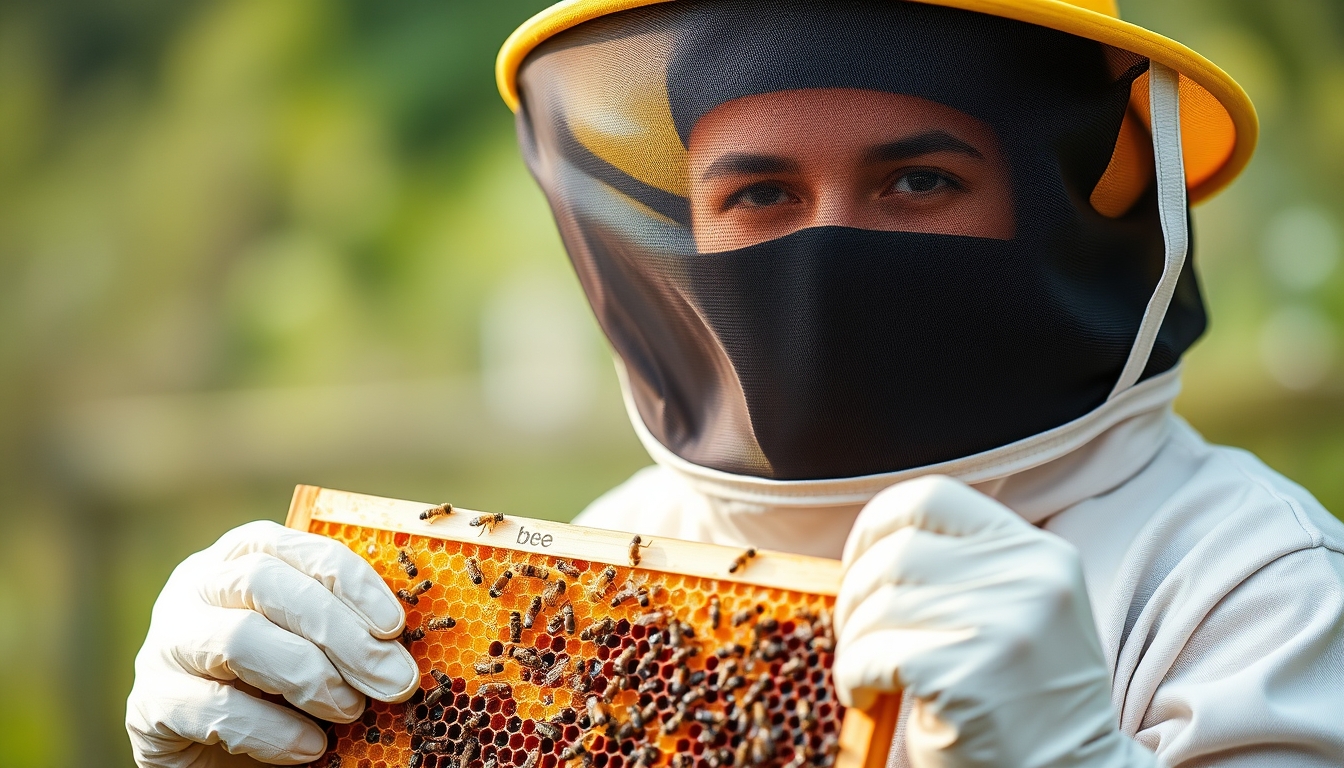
(1036, 476)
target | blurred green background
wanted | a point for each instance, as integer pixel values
(249, 243)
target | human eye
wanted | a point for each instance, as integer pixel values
(922, 182)
(762, 194)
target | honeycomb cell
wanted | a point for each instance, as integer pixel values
(445, 713)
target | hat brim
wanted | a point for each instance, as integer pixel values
(1219, 127)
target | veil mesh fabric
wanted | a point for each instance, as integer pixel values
(841, 239)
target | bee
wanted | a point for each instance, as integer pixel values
(441, 510)
(725, 672)
(568, 613)
(556, 624)
(671, 724)
(636, 717)
(548, 730)
(441, 678)
(515, 626)
(642, 597)
(567, 568)
(404, 558)
(753, 694)
(822, 644)
(474, 571)
(651, 618)
(762, 747)
(490, 762)
(802, 755)
(708, 734)
(758, 720)
(530, 571)
(680, 655)
(526, 657)
(709, 717)
(414, 760)
(648, 756)
(803, 708)
(735, 682)
(494, 690)
(680, 760)
(470, 749)
(500, 584)
(598, 630)
(553, 592)
(646, 664)
(409, 635)
(421, 588)
(573, 749)
(649, 686)
(556, 671)
(578, 682)
(804, 632)
(334, 761)
(740, 561)
(627, 655)
(478, 721)
(436, 745)
(486, 522)
(533, 758)
(743, 616)
(488, 667)
(677, 685)
(715, 612)
(637, 544)
(677, 632)
(412, 596)
(602, 584)
(424, 730)
(441, 623)
(765, 626)
(628, 730)
(771, 650)
(628, 591)
(731, 649)
(695, 695)
(533, 609)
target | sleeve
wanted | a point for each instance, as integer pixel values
(1260, 681)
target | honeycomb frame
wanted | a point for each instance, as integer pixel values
(754, 693)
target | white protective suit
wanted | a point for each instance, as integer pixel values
(1215, 582)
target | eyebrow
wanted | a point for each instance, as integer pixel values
(739, 163)
(921, 144)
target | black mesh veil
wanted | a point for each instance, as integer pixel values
(839, 303)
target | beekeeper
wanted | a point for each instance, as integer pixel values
(903, 282)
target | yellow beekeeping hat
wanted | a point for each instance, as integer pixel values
(1218, 123)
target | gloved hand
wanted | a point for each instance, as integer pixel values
(983, 621)
(267, 608)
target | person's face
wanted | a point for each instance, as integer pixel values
(764, 166)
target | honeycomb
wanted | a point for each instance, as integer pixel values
(754, 693)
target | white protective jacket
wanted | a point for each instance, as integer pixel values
(1217, 585)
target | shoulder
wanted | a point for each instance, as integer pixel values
(1232, 501)
(649, 502)
(1230, 614)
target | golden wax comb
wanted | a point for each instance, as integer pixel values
(546, 645)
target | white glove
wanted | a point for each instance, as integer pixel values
(267, 608)
(983, 621)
